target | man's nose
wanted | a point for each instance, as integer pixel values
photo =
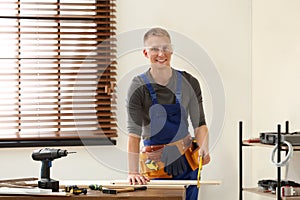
(161, 51)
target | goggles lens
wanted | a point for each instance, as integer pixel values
(157, 49)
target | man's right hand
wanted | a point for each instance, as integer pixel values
(155, 155)
(137, 179)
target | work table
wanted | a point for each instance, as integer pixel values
(156, 189)
(149, 194)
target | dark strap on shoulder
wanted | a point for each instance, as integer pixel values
(150, 88)
(178, 89)
(152, 92)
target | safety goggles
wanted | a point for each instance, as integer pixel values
(156, 49)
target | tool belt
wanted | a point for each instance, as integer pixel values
(151, 165)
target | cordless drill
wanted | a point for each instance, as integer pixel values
(47, 155)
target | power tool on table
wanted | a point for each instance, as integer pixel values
(47, 155)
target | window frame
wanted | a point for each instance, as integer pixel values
(103, 103)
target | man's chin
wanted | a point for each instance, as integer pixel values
(160, 65)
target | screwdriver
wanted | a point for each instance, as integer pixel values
(95, 187)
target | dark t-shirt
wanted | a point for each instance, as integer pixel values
(139, 101)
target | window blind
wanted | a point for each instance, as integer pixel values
(58, 68)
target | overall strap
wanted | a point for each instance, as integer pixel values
(178, 89)
(150, 88)
(153, 94)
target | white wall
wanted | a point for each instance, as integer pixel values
(223, 29)
(276, 72)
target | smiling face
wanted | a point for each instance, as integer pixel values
(158, 50)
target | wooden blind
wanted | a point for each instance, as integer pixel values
(57, 69)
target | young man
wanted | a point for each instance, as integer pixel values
(158, 104)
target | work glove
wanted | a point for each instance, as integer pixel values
(173, 160)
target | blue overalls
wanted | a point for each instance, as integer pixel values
(168, 123)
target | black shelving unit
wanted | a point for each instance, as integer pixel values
(280, 149)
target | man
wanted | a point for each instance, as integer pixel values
(159, 103)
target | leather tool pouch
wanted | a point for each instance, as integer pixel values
(154, 168)
(151, 168)
(192, 155)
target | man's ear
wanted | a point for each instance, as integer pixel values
(145, 53)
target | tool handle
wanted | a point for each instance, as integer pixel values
(45, 170)
(128, 189)
(140, 188)
(131, 189)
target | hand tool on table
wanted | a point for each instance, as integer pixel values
(95, 187)
(119, 186)
(68, 188)
(47, 155)
(78, 191)
(128, 189)
(74, 189)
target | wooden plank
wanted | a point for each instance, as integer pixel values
(31, 192)
(172, 182)
(18, 180)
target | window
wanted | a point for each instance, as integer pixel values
(57, 72)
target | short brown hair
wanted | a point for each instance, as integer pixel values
(156, 32)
